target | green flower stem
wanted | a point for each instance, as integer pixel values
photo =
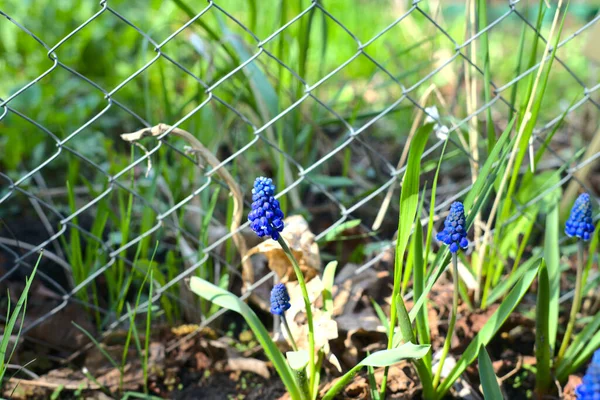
(576, 302)
(309, 317)
(447, 342)
(289, 332)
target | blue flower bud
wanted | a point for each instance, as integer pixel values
(455, 233)
(280, 299)
(590, 388)
(266, 217)
(580, 222)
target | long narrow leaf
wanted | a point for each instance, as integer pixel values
(552, 257)
(10, 325)
(523, 145)
(422, 322)
(231, 302)
(488, 331)
(328, 277)
(474, 201)
(385, 322)
(542, 329)
(491, 389)
(576, 348)
(409, 201)
(580, 358)
(482, 19)
(423, 370)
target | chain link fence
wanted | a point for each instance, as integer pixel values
(362, 191)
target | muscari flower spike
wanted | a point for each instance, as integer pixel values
(579, 223)
(266, 217)
(590, 388)
(454, 233)
(280, 299)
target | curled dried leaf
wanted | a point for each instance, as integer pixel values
(325, 330)
(301, 241)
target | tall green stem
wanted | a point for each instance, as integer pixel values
(289, 332)
(576, 302)
(311, 332)
(448, 341)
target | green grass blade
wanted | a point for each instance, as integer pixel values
(423, 371)
(132, 330)
(98, 345)
(422, 321)
(577, 346)
(231, 302)
(372, 383)
(523, 145)
(214, 36)
(381, 315)
(328, 278)
(338, 230)
(482, 19)
(147, 338)
(443, 257)
(486, 170)
(432, 205)
(518, 68)
(491, 389)
(543, 378)
(549, 136)
(10, 325)
(591, 250)
(505, 284)
(410, 258)
(409, 200)
(552, 257)
(488, 331)
(579, 359)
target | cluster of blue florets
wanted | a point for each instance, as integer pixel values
(580, 223)
(266, 217)
(280, 299)
(590, 388)
(455, 232)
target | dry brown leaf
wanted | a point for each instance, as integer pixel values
(249, 365)
(325, 330)
(569, 389)
(314, 289)
(324, 326)
(301, 241)
(132, 378)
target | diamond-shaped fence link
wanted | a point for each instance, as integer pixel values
(377, 173)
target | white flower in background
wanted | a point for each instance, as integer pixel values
(433, 115)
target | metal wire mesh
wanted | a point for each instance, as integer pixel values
(29, 186)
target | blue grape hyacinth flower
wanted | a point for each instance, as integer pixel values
(455, 232)
(580, 223)
(590, 388)
(280, 299)
(266, 217)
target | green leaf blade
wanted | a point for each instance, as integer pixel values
(488, 331)
(231, 302)
(491, 389)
